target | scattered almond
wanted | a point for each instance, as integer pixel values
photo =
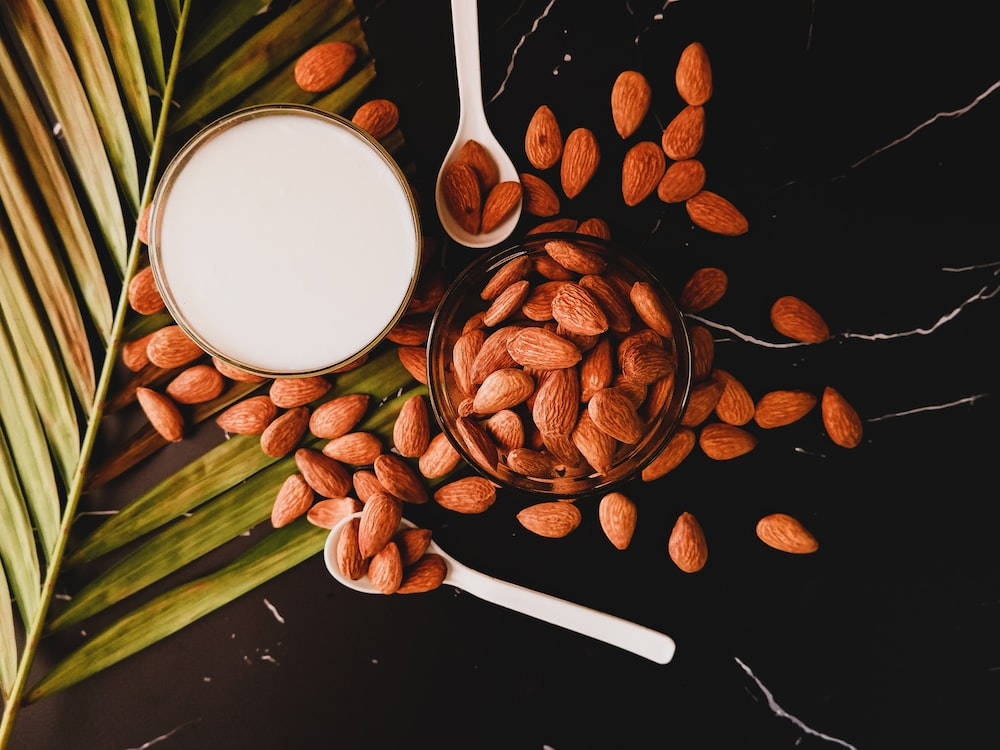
(481, 448)
(543, 142)
(539, 198)
(702, 351)
(248, 417)
(338, 416)
(142, 225)
(687, 546)
(412, 432)
(714, 213)
(468, 495)
(675, 451)
(385, 571)
(379, 521)
(425, 575)
(366, 484)
(410, 331)
(162, 414)
(556, 225)
(322, 67)
(195, 385)
(724, 441)
(500, 204)
(293, 500)
(284, 433)
(642, 171)
(694, 75)
(143, 296)
(134, 355)
(594, 228)
(580, 158)
(630, 98)
(649, 306)
(170, 347)
(328, 513)
(683, 137)
(412, 544)
(288, 393)
(552, 520)
(399, 479)
(782, 532)
(618, 516)
(735, 405)
(235, 373)
(841, 421)
(702, 400)
(682, 180)
(328, 478)
(354, 448)
(414, 359)
(379, 117)
(797, 320)
(705, 287)
(780, 408)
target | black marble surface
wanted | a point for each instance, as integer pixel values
(860, 141)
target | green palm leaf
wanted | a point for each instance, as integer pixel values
(226, 19)
(148, 28)
(17, 548)
(8, 644)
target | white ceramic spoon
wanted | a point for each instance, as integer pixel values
(613, 630)
(472, 125)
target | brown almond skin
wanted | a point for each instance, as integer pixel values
(539, 198)
(657, 398)
(399, 479)
(682, 180)
(412, 544)
(482, 162)
(634, 392)
(543, 142)
(713, 213)
(493, 354)
(328, 513)
(724, 441)
(557, 402)
(785, 533)
(142, 225)
(428, 293)
(479, 445)
(439, 459)
(143, 296)
(701, 401)
(379, 523)
(506, 429)
(509, 272)
(288, 393)
(735, 406)
(563, 451)
(642, 170)
(780, 408)
(555, 225)
(580, 158)
(502, 389)
(467, 495)
(617, 514)
(366, 484)
(425, 575)
(507, 303)
(841, 421)
(322, 67)
(410, 331)
(596, 447)
(576, 311)
(538, 306)
(702, 350)
(284, 433)
(647, 363)
(461, 193)
(249, 417)
(683, 136)
(354, 448)
(650, 308)
(597, 370)
(552, 520)
(349, 560)
(573, 257)
(328, 478)
(595, 228)
(615, 307)
(500, 204)
(170, 347)
(694, 75)
(675, 451)
(615, 415)
(338, 416)
(162, 414)
(378, 118)
(639, 338)
(385, 571)
(463, 357)
(412, 432)
(414, 359)
(531, 463)
(235, 373)
(293, 500)
(134, 355)
(687, 546)
(630, 98)
(704, 289)
(196, 385)
(798, 320)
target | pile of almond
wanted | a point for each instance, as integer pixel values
(473, 193)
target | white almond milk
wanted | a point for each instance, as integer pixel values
(286, 242)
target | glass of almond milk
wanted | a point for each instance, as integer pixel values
(284, 240)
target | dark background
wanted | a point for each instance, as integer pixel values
(887, 637)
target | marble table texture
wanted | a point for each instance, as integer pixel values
(860, 141)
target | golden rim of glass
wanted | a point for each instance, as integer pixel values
(163, 193)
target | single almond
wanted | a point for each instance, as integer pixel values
(595, 228)
(461, 193)
(162, 414)
(547, 266)
(493, 354)
(283, 434)
(465, 407)
(735, 405)
(634, 392)
(414, 359)
(639, 338)
(468, 495)
(705, 287)
(538, 305)
(338, 416)
(134, 355)
(385, 571)
(557, 402)
(424, 575)
(322, 67)
(543, 142)
(683, 136)
(702, 351)
(143, 296)
(379, 522)
(780, 408)
(366, 485)
(694, 75)
(378, 118)
(354, 448)
(673, 453)
(507, 303)
(502, 390)
(596, 371)
(713, 213)
(288, 393)
(509, 273)
(576, 311)
(483, 164)
(328, 513)
(687, 546)
(630, 98)
(399, 479)
(682, 180)
(539, 198)
(841, 421)
(248, 417)
(642, 170)
(647, 363)
(612, 304)
(506, 429)
(412, 544)
(410, 331)
(170, 347)
(195, 385)
(702, 400)
(555, 225)
(439, 459)
(293, 500)
(573, 257)
(580, 158)
(478, 443)
(235, 373)
(564, 451)
(650, 307)
(500, 203)
(658, 396)
(583, 341)
(529, 462)
(797, 320)
(615, 415)
(142, 225)
(617, 514)
(349, 560)
(412, 430)
(597, 447)
(540, 349)
(463, 357)
(725, 441)
(327, 477)
(785, 533)
(552, 520)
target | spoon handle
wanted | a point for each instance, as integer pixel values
(465, 23)
(630, 636)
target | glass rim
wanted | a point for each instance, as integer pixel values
(169, 177)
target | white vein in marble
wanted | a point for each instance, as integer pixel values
(166, 735)
(274, 611)
(744, 336)
(517, 48)
(954, 113)
(783, 714)
(933, 407)
(805, 452)
(658, 16)
(962, 269)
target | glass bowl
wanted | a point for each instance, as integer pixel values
(462, 301)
